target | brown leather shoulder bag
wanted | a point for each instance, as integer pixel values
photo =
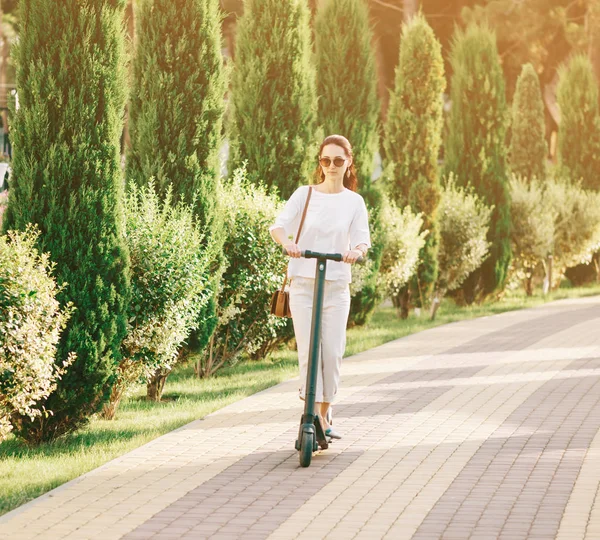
(280, 300)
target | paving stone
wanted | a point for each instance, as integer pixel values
(486, 429)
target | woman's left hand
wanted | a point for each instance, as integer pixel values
(352, 256)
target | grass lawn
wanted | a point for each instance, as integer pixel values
(27, 473)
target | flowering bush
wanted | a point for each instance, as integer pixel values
(464, 222)
(168, 286)
(402, 239)
(254, 269)
(30, 324)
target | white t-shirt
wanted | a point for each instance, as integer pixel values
(335, 222)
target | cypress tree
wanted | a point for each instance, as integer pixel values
(176, 117)
(413, 136)
(579, 139)
(528, 144)
(579, 130)
(67, 179)
(273, 95)
(347, 79)
(476, 148)
(177, 103)
(349, 105)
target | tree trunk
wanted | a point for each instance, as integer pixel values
(435, 303)
(110, 409)
(156, 384)
(548, 278)
(529, 284)
(470, 286)
(404, 303)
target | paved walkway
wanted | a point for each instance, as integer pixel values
(475, 430)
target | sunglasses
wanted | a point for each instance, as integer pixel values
(338, 161)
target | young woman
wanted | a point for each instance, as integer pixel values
(336, 222)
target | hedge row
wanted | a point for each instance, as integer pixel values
(187, 258)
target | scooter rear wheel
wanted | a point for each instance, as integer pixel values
(306, 449)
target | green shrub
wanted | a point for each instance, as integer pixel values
(347, 79)
(579, 130)
(402, 240)
(528, 147)
(576, 224)
(464, 221)
(476, 145)
(66, 178)
(254, 269)
(368, 293)
(177, 109)
(30, 324)
(273, 95)
(168, 286)
(413, 136)
(533, 229)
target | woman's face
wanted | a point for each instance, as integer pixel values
(331, 163)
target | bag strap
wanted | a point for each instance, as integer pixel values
(310, 190)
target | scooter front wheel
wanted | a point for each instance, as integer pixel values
(306, 448)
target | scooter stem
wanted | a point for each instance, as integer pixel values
(315, 342)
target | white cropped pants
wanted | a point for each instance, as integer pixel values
(336, 307)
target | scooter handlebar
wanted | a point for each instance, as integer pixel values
(307, 254)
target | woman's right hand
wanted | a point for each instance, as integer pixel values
(292, 250)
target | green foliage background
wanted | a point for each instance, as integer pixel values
(413, 136)
(579, 131)
(273, 95)
(476, 143)
(176, 115)
(349, 106)
(67, 180)
(347, 79)
(528, 147)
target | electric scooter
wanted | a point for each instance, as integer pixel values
(311, 434)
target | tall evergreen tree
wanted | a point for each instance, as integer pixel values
(579, 139)
(347, 79)
(67, 180)
(177, 108)
(528, 147)
(273, 95)
(413, 136)
(579, 130)
(476, 148)
(177, 101)
(349, 105)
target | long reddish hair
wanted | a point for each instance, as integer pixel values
(350, 180)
